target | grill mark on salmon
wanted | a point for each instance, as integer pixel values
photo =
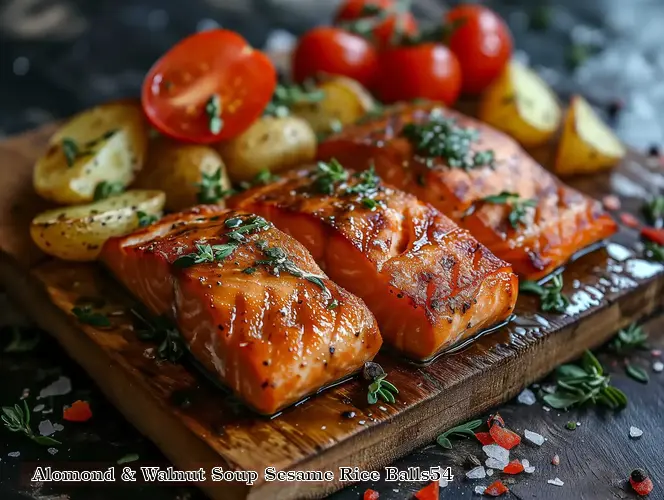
(563, 222)
(266, 337)
(429, 283)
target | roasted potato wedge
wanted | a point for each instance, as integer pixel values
(522, 105)
(105, 143)
(587, 144)
(345, 101)
(271, 143)
(78, 233)
(178, 170)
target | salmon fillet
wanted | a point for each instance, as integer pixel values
(556, 221)
(429, 283)
(264, 320)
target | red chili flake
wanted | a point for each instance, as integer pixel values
(484, 438)
(371, 495)
(640, 482)
(555, 460)
(495, 418)
(79, 411)
(611, 202)
(629, 220)
(653, 234)
(429, 492)
(504, 437)
(514, 467)
(496, 489)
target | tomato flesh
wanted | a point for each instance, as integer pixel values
(382, 34)
(212, 64)
(429, 492)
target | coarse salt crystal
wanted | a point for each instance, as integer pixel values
(497, 452)
(494, 463)
(60, 387)
(38, 408)
(527, 397)
(489, 472)
(525, 462)
(546, 408)
(46, 428)
(58, 427)
(529, 470)
(382, 408)
(442, 482)
(555, 460)
(658, 366)
(635, 432)
(476, 473)
(533, 437)
(555, 482)
(14, 454)
(361, 422)
(52, 451)
(480, 490)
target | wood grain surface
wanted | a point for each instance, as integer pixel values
(609, 288)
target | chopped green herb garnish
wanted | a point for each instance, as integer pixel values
(632, 337)
(70, 150)
(332, 176)
(465, 430)
(367, 183)
(249, 270)
(213, 111)
(17, 419)
(654, 251)
(584, 383)
(106, 135)
(211, 189)
(369, 203)
(145, 219)
(106, 189)
(550, 294)
(85, 314)
(441, 137)
(379, 388)
(571, 425)
(21, 342)
(162, 331)
(654, 211)
(327, 175)
(518, 213)
(637, 373)
(287, 96)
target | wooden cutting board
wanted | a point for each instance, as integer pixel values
(197, 425)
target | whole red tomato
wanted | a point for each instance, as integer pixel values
(482, 42)
(426, 71)
(336, 52)
(384, 30)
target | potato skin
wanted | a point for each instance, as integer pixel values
(176, 168)
(271, 143)
(78, 233)
(111, 141)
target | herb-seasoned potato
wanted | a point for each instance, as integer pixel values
(78, 233)
(105, 143)
(587, 144)
(271, 143)
(522, 105)
(345, 101)
(186, 173)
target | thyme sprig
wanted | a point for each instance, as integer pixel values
(441, 137)
(550, 294)
(628, 339)
(17, 419)
(333, 177)
(462, 430)
(328, 175)
(285, 97)
(578, 384)
(379, 388)
(211, 189)
(518, 206)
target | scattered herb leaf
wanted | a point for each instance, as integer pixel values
(460, 430)
(86, 315)
(210, 189)
(70, 150)
(130, 457)
(17, 419)
(213, 111)
(162, 331)
(285, 97)
(637, 373)
(327, 175)
(571, 425)
(550, 294)
(379, 387)
(518, 213)
(145, 219)
(106, 189)
(632, 337)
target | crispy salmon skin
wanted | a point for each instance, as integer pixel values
(429, 283)
(479, 177)
(249, 301)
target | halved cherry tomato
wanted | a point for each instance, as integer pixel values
(429, 492)
(210, 86)
(482, 42)
(427, 71)
(384, 29)
(333, 51)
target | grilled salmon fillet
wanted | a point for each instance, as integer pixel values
(429, 283)
(250, 303)
(479, 177)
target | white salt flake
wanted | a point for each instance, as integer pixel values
(658, 367)
(494, 463)
(533, 437)
(480, 490)
(60, 387)
(52, 451)
(46, 428)
(546, 408)
(38, 408)
(527, 397)
(382, 408)
(555, 482)
(496, 451)
(442, 482)
(529, 470)
(635, 432)
(362, 422)
(489, 472)
(58, 427)
(476, 473)
(14, 454)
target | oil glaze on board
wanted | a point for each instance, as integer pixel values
(198, 425)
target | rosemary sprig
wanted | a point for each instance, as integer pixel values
(213, 111)
(85, 314)
(654, 251)
(460, 430)
(632, 337)
(379, 388)
(518, 206)
(550, 294)
(584, 383)
(106, 189)
(162, 331)
(285, 97)
(441, 137)
(17, 419)
(210, 189)
(654, 211)
(145, 219)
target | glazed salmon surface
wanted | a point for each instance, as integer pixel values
(560, 222)
(429, 283)
(264, 320)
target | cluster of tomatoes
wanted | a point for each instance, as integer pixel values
(378, 43)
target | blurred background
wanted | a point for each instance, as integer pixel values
(59, 56)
